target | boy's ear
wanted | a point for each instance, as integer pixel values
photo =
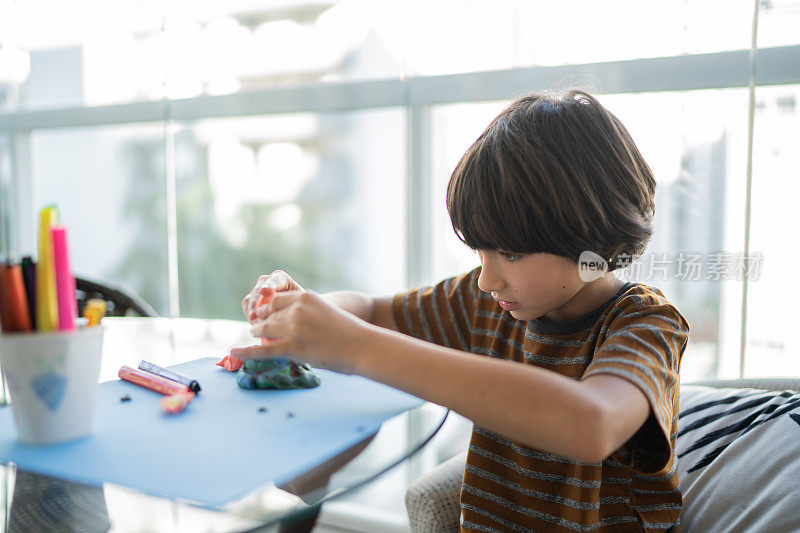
(591, 266)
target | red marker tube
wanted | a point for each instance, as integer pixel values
(150, 381)
(14, 300)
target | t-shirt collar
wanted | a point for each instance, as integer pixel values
(573, 325)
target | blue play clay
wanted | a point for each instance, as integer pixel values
(280, 373)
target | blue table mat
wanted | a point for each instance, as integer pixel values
(222, 446)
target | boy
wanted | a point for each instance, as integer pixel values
(571, 380)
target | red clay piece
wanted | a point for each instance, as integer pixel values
(230, 363)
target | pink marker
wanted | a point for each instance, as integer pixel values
(65, 282)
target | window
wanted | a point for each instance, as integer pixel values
(317, 195)
(262, 135)
(109, 185)
(771, 347)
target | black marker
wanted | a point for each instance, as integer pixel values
(190, 383)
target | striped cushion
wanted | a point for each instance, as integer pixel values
(738, 459)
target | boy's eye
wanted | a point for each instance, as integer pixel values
(508, 256)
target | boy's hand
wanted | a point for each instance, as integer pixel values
(305, 326)
(266, 285)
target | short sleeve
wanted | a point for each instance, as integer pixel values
(644, 344)
(442, 314)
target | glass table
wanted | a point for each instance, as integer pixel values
(33, 502)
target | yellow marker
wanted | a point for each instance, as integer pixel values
(94, 311)
(46, 303)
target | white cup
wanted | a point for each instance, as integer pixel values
(52, 378)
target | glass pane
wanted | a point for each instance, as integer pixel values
(319, 196)
(696, 144)
(455, 127)
(455, 36)
(81, 53)
(109, 185)
(771, 345)
(778, 22)
(96, 53)
(6, 204)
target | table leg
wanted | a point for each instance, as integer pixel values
(314, 483)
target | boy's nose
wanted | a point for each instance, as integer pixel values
(488, 281)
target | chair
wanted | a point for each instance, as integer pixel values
(432, 501)
(121, 300)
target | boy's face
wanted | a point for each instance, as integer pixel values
(533, 286)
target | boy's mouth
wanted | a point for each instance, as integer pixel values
(508, 306)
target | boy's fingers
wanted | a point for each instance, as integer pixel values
(251, 352)
(263, 301)
(280, 281)
(267, 303)
(266, 286)
(264, 351)
(276, 285)
(283, 299)
(249, 303)
(262, 329)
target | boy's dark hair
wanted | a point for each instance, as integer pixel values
(557, 174)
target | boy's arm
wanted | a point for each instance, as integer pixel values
(583, 420)
(375, 310)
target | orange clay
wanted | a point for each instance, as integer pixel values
(264, 299)
(230, 363)
(266, 296)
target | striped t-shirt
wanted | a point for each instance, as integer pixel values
(637, 335)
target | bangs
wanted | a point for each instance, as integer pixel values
(553, 175)
(487, 210)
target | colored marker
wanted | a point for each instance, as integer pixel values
(29, 276)
(15, 301)
(5, 304)
(46, 302)
(190, 383)
(94, 311)
(150, 381)
(65, 282)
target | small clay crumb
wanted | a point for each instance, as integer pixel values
(262, 409)
(289, 415)
(125, 398)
